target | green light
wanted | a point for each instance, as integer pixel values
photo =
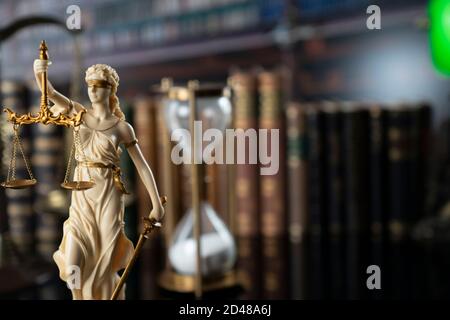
(439, 12)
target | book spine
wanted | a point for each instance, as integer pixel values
(298, 272)
(144, 118)
(298, 195)
(398, 169)
(247, 174)
(130, 200)
(249, 267)
(297, 172)
(378, 167)
(316, 267)
(336, 274)
(419, 137)
(272, 191)
(355, 144)
(272, 188)
(130, 179)
(424, 158)
(333, 168)
(330, 259)
(316, 166)
(275, 268)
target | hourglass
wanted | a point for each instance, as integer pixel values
(202, 250)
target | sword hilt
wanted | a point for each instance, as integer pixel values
(151, 223)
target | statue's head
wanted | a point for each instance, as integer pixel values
(102, 81)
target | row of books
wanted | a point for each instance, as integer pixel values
(351, 167)
(112, 13)
(121, 26)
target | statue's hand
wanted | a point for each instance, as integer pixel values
(56, 110)
(157, 212)
(40, 66)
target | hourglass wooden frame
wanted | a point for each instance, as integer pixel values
(171, 280)
(44, 116)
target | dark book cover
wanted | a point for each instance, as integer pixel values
(420, 127)
(317, 268)
(355, 142)
(355, 268)
(399, 269)
(298, 270)
(377, 257)
(424, 159)
(377, 169)
(297, 172)
(333, 168)
(297, 196)
(336, 271)
(399, 156)
(316, 169)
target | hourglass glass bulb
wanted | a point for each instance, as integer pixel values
(217, 246)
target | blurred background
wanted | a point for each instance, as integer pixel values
(364, 128)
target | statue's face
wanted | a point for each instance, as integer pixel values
(98, 91)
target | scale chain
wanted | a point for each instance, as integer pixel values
(83, 155)
(69, 165)
(23, 154)
(12, 162)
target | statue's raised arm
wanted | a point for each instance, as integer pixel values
(62, 104)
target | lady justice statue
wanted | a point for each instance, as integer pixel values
(94, 243)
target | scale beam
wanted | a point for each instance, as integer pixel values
(44, 116)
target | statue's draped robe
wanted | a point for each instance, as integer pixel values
(94, 238)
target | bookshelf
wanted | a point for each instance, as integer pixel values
(171, 30)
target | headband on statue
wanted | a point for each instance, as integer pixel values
(98, 83)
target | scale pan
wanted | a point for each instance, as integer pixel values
(77, 185)
(19, 183)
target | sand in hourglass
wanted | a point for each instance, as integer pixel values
(216, 255)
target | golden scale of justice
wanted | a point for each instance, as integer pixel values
(45, 116)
